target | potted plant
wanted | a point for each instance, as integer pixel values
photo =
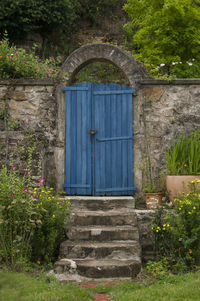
(153, 196)
(152, 188)
(183, 164)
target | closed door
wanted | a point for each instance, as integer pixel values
(99, 139)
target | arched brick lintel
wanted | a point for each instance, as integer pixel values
(101, 52)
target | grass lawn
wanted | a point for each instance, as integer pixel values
(22, 287)
(172, 287)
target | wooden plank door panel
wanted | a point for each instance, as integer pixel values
(78, 146)
(112, 108)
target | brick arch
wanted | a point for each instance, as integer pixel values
(101, 52)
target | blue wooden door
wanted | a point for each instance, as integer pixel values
(99, 139)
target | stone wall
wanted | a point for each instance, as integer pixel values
(145, 221)
(28, 109)
(161, 111)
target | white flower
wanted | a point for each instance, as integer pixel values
(162, 65)
(174, 63)
(190, 64)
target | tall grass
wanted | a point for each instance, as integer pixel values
(183, 158)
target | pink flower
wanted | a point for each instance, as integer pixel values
(41, 180)
(26, 173)
(25, 169)
(25, 190)
(14, 167)
(12, 194)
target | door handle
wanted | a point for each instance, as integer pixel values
(92, 133)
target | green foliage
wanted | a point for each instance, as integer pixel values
(101, 72)
(17, 63)
(177, 233)
(184, 156)
(31, 219)
(51, 230)
(167, 35)
(20, 17)
(157, 269)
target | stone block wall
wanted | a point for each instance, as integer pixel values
(161, 110)
(28, 108)
(145, 221)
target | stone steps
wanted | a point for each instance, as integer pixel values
(85, 249)
(112, 217)
(103, 238)
(103, 233)
(101, 203)
(103, 268)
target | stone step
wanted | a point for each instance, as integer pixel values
(112, 249)
(103, 233)
(101, 203)
(111, 217)
(103, 268)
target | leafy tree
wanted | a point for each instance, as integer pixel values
(167, 35)
(19, 17)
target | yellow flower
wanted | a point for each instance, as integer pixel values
(164, 229)
(189, 212)
(179, 208)
(185, 165)
(167, 225)
(164, 225)
(53, 216)
(194, 207)
(157, 230)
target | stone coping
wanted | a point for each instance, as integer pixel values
(179, 81)
(53, 81)
(29, 82)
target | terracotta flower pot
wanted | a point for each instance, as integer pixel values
(174, 185)
(153, 199)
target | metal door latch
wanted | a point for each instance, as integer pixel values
(92, 133)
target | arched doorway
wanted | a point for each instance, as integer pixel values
(75, 62)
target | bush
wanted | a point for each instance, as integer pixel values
(20, 17)
(177, 234)
(167, 35)
(184, 156)
(17, 63)
(31, 219)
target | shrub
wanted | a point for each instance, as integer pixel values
(20, 17)
(17, 63)
(31, 219)
(184, 156)
(166, 34)
(177, 234)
